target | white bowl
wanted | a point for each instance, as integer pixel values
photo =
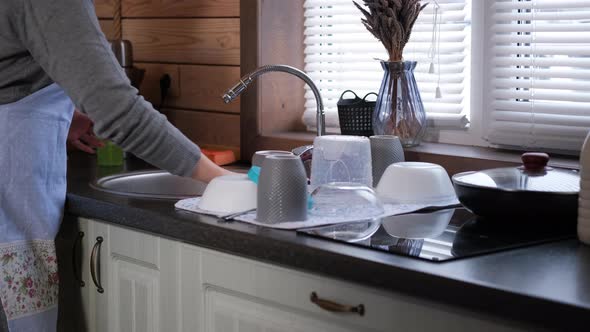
(415, 183)
(229, 194)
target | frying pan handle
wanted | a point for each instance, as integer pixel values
(534, 161)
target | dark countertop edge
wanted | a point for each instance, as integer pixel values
(486, 299)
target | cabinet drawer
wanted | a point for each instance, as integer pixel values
(277, 289)
(231, 311)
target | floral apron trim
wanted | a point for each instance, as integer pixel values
(29, 281)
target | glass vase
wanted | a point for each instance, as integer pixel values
(399, 110)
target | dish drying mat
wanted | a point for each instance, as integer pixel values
(192, 205)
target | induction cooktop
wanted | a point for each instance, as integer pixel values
(446, 235)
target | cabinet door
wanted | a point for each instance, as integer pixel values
(140, 288)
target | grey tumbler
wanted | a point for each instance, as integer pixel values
(282, 190)
(259, 156)
(385, 150)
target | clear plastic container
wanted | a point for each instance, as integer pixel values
(349, 232)
(351, 200)
(340, 158)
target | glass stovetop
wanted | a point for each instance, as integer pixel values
(445, 234)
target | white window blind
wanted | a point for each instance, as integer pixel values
(539, 73)
(340, 54)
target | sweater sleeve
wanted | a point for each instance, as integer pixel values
(64, 37)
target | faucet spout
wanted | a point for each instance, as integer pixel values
(237, 89)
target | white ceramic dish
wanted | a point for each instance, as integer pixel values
(415, 183)
(229, 194)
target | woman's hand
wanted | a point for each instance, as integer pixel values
(81, 135)
(205, 170)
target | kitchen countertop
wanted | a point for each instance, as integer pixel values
(544, 285)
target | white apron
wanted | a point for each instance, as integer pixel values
(32, 196)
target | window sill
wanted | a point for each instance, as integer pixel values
(454, 158)
(458, 158)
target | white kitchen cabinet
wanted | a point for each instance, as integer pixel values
(243, 295)
(138, 275)
(154, 284)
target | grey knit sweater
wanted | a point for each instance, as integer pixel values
(46, 41)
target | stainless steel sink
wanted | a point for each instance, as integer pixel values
(150, 184)
(155, 184)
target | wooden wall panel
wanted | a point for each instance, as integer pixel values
(181, 8)
(193, 86)
(150, 86)
(207, 128)
(107, 28)
(282, 95)
(204, 86)
(195, 41)
(104, 8)
(271, 32)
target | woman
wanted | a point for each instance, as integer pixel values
(53, 58)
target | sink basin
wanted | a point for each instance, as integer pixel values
(150, 184)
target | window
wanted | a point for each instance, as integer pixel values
(530, 84)
(340, 54)
(539, 73)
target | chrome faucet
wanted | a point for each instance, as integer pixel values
(304, 152)
(237, 89)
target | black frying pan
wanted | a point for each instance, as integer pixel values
(533, 191)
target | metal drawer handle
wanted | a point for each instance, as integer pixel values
(77, 275)
(336, 307)
(95, 264)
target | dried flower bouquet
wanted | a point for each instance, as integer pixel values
(391, 22)
(399, 110)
